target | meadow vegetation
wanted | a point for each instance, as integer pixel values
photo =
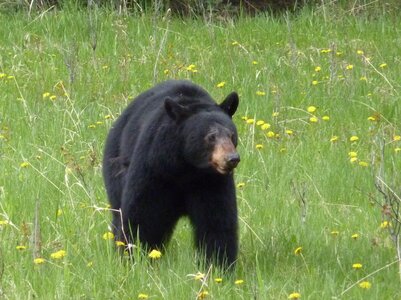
(319, 127)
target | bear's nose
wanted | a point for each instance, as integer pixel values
(233, 159)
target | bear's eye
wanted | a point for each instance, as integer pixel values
(211, 138)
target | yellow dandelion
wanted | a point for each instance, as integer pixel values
(270, 134)
(265, 126)
(353, 159)
(38, 261)
(240, 185)
(260, 93)
(326, 118)
(334, 138)
(143, 296)
(166, 72)
(283, 150)
(352, 154)
(383, 65)
(53, 97)
(294, 295)
(221, 84)
(155, 254)
(298, 251)
(275, 114)
(24, 164)
(363, 78)
(349, 67)
(238, 282)
(353, 138)
(313, 119)
(318, 69)
(397, 138)
(99, 123)
(311, 109)
(363, 163)
(355, 236)
(2, 75)
(203, 295)
(59, 212)
(108, 236)
(260, 123)
(334, 232)
(218, 280)
(89, 264)
(254, 62)
(92, 126)
(289, 132)
(396, 150)
(58, 254)
(191, 67)
(199, 276)
(244, 118)
(385, 224)
(359, 52)
(259, 146)
(372, 118)
(120, 244)
(325, 51)
(10, 77)
(107, 117)
(357, 266)
(250, 121)
(20, 247)
(45, 95)
(365, 285)
(234, 43)
(4, 222)
(315, 82)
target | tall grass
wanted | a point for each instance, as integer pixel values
(65, 76)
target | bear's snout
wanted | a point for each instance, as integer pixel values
(233, 160)
(224, 157)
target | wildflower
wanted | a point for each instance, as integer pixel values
(289, 132)
(260, 93)
(352, 154)
(353, 159)
(313, 119)
(396, 150)
(240, 185)
(166, 72)
(199, 276)
(99, 123)
(92, 126)
(202, 295)
(59, 212)
(107, 117)
(315, 82)
(363, 163)
(238, 282)
(357, 266)
(260, 123)
(325, 51)
(53, 97)
(259, 146)
(270, 134)
(105, 67)
(275, 114)
(294, 296)
(24, 164)
(311, 109)
(385, 224)
(155, 254)
(221, 84)
(120, 244)
(244, 118)
(108, 236)
(191, 67)
(282, 150)
(318, 69)
(59, 254)
(355, 236)
(363, 78)
(4, 222)
(383, 65)
(234, 43)
(45, 95)
(339, 53)
(254, 62)
(359, 52)
(326, 118)
(353, 138)
(365, 285)
(218, 280)
(10, 77)
(334, 138)
(38, 261)
(349, 67)
(334, 232)
(89, 264)
(20, 247)
(372, 118)
(2, 75)
(397, 138)
(250, 121)
(143, 296)
(265, 126)
(298, 251)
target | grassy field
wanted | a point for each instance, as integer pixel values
(319, 97)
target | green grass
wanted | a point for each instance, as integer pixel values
(61, 141)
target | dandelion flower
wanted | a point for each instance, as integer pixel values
(315, 82)
(108, 236)
(155, 254)
(4, 222)
(383, 65)
(372, 118)
(199, 276)
(120, 244)
(334, 138)
(2, 75)
(365, 285)
(92, 126)
(325, 51)
(143, 296)
(326, 118)
(349, 67)
(238, 282)
(254, 62)
(240, 185)
(353, 138)
(363, 163)
(260, 123)
(359, 52)
(353, 159)
(20, 247)
(38, 261)
(203, 295)
(396, 150)
(397, 138)
(218, 280)
(355, 236)
(318, 69)
(265, 126)
(259, 146)
(335, 233)
(107, 117)
(289, 132)
(166, 72)
(24, 164)
(250, 121)
(221, 84)
(53, 97)
(311, 109)
(357, 266)
(352, 154)
(313, 119)
(385, 224)
(234, 43)
(363, 78)
(294, 296)
(270, 134)
(260, 93)
(275, 114)
(191, 67)
(58, 255)
(59, 212)
(45, 95)
(298, 251)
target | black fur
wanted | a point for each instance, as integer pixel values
(156, 169)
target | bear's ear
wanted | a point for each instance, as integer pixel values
(175, 110)
(230, 104)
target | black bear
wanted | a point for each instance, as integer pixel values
(171, 153)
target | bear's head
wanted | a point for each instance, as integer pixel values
(208, 134)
